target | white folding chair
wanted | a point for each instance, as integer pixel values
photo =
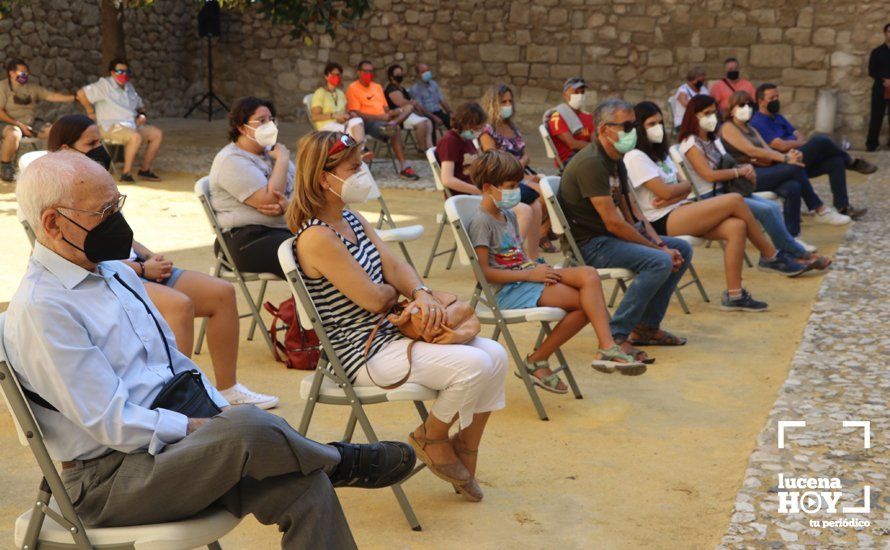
(28, 158)
(460, 210)
(29, 231)
(394, 234)
(330, 385)
(550, 147)
(569, 246)
(225, 269)
(65, 529)
(307, 108)
(440, 218)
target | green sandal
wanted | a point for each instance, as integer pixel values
(612, 359)
(549, 383)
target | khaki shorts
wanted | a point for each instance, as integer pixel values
(120, 135)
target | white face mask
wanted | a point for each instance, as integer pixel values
(356, 188)
(708, 123)
(743, 114)
(266, 134)
(576, 101)
(655, 133)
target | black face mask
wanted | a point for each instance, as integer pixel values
(732, 75)
(100, 155)
(399, 78)
(698, 84)
(773, 107)
(110, 240)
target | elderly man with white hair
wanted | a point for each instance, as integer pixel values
(99, 363)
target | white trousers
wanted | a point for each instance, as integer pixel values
(340, 127)
(469, 378)
(413, 120)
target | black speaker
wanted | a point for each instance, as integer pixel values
(208, 19)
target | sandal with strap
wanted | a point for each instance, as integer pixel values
(471, 489)
(614, 358)
(549, 383)
(453, 472)
(649, 337)
(637, 354)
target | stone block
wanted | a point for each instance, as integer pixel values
(518, 69)
(805, 18)
(636, 23)
(499, 52)
(708, 38)
(803, 77)
(379, 33)
(809, 57)
(770, 35)
(798, 37)
(288, 81)
(770, 56)
(824, 36)
(541, 54)
(572, 55)
(519, 13)
(522, 37)
(557, 17)
(843, 59)
(765, 16)
(660, 57)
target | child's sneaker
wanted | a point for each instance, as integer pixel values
(745, 302)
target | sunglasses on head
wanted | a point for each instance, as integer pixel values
(345, 141)
(627, 126)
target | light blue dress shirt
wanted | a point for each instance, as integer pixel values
(427, 94)
(86, 344)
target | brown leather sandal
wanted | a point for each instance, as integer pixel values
(453, 472)
(471, 489)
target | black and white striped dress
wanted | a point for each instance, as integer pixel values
(347, 324)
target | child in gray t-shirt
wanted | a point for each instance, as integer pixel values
(522, 284)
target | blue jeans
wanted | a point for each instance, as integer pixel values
(769, 214)
(823, 156)
(648, 296)
(792, 184)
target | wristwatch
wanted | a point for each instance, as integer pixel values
(423, 288)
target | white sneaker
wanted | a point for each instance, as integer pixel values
(806, 246)
(832, 217)
(240, 395)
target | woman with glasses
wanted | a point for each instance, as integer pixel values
(251, 183)
(353, 279)
(180, 295)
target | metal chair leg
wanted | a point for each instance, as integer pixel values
(311, 401)
(615, 290)
(254, 310)
(681, 300)
(429, 262)
(215, 545)
(564, 364)
(698, 283)
(526, 376)
(259, 304)
(406, 254)
(217, 269)
(350, 428)
(748, 260)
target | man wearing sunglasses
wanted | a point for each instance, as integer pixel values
(113, 103)
(19, 96)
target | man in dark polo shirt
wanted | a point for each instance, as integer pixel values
(593, 194)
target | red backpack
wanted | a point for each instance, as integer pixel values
(300, 348)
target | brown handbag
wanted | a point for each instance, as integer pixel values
(459, 327)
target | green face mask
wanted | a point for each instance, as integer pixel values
(626, 141)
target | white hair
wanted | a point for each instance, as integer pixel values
(49, 181)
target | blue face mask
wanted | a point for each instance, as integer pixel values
(506, 111)
(469, 135)
(509, 199)
(426, 76)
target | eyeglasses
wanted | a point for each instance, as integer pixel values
(122, 71)
(627, 125)
(345, 141)
(109, 209)
(261, 121)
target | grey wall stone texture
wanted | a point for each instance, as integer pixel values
(639, 50)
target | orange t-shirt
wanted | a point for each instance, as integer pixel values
(721, 90)
(369, 99)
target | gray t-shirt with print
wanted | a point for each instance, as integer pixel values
(501, 238)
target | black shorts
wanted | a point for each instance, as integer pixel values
(527, 194)
(661, 224)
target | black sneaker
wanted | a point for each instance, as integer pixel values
(852, 211)
(148, 175)
(7, 171)
(862, 166)
(409, 174)
(743, 303)
(784, 265)
(374, 465)
(127, 178)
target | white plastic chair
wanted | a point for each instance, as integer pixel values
(460, 210)
(550, 147)
(29, 231)
(440, 217)
(394, 234)
(330, 385)
(64, 528)
(28, 158)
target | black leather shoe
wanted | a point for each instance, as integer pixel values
(862, 166)
(853, 212)
(373, 465)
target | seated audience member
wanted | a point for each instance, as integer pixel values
(93, 353)
(365, 99)
(694, 85)
(522, 283)
(730, 83)
(179, 294)
(661, 194)
(350, 273)
(456, 151)
(570, 127)
(709, 166)
(593, 194)
(328, 109)
(398, 97)
(428, 95)
(821, 155)
(113, 102)
(251, 183)
(18, 98)
(782, 173)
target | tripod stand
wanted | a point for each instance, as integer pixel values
(208, 95)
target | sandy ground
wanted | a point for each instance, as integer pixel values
(653, 461)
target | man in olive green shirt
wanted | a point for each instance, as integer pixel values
(18, 97)
(593, 193)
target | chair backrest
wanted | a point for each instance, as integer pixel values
(549, 146)
(477, 145)
(29, 231)
(375, 194)
(462, 208)
(558, 221)
(307, 106)
(680, 161)
(437, 170)
(202, 190)
(29, 157)
(13, 397)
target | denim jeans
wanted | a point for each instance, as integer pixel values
(823, 156)
(648, 296)
(792, 184)
(769, 214)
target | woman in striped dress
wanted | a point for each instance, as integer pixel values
(353, 278)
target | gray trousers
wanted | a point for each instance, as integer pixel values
(246, 460)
